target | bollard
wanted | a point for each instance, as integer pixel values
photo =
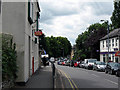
(53, 74)
(52, 60)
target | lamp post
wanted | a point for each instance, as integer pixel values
(108, 36)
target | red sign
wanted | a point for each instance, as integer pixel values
(117, 53)
(38, 33)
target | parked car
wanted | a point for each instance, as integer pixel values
(118, 71)
(71, 63)
(82, 64)
(76, 63)
(89, 63)
(112, 67)
(67, 63)
(59, 62)
(63, 62)
(99, 66)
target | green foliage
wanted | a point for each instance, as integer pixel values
(88, 43)
(9, 55)
(56, 46)
(116, 15)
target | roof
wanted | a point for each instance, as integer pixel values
(114, 33)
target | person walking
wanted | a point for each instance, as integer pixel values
(44, 61)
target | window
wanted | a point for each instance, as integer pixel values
(109, 57)
(116, 59)
(103, 44)
(110, 43)
(113, 42)
(112, 57)
(106, 43)
(30, 12)
(37, 18)
(116, 41)
(103, 57)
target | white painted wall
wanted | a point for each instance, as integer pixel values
(15, 22)
(111, 48)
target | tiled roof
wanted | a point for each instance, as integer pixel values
(114, 33)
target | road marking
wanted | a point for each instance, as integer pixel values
(95, 75)
(70, 80)
(111, 81)
(73, 82)
(61, 79)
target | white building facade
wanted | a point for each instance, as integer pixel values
(114, 46)
(21, 20)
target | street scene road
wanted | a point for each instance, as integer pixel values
(82, 78)
(66, 44)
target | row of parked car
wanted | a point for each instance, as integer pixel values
(93, 64)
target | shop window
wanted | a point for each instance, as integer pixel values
(116, 59)
(103, 57)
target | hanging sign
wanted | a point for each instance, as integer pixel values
(117, 53)
(38, 33)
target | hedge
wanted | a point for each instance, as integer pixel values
(9, 56)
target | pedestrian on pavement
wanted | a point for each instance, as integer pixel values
(44, 61)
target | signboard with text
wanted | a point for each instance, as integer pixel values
(117, 53)
(38, 33)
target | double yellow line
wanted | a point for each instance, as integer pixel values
(73, 85)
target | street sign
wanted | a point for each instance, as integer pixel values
(38, 33)
(117, 53)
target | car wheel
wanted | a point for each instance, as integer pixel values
(106, 71)
(111, 72)
(116, 74)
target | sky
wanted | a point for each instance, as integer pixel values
(69, 18)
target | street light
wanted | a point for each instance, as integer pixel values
(108, 35)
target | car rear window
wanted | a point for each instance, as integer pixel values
(92, 60)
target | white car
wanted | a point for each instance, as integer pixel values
(99, 66)
(89, 63)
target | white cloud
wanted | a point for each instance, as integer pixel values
(69, 19)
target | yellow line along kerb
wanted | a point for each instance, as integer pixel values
(73, 82)
(69, 79)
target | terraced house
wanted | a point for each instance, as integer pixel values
(114, 46)
(20, 19)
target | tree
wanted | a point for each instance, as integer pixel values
(116, 15)
(57, 46)
(88, 43)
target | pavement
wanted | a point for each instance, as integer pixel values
(42, 78)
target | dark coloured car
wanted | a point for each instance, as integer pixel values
(99, 66)
(118, 71)
(112, 68)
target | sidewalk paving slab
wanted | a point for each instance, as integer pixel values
(42, 78)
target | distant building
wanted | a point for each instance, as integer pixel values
(114, 46)
(73, 52)
(21, 20)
